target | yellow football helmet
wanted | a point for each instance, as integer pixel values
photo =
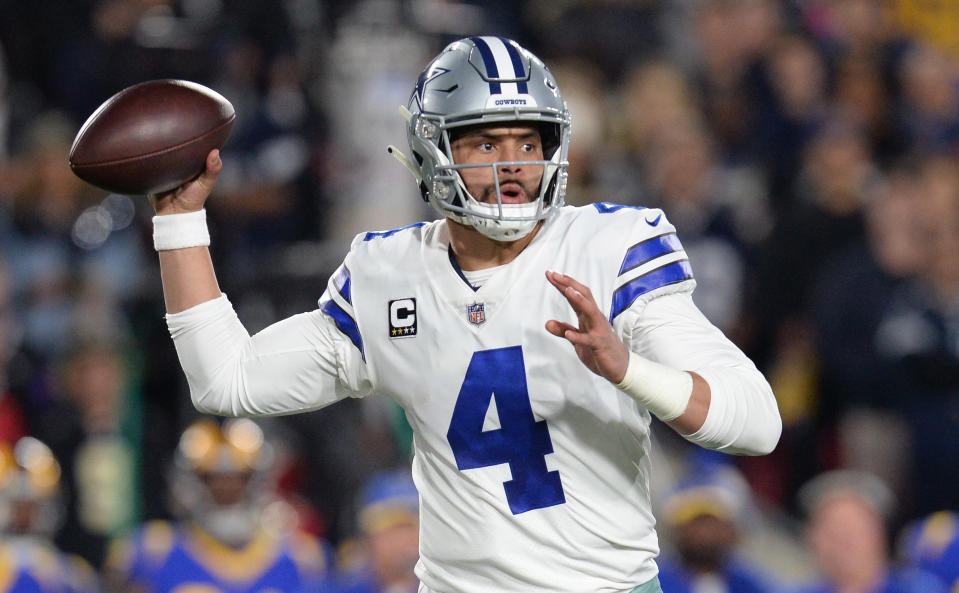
(236, 446)
(220, 478)
(30, 502)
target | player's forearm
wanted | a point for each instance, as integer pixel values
(729, 409)
(742, 415)
(672, 395)
(188, 278)
(694, 416)
(730, 405)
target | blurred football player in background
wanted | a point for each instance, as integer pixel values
(382, 557)
(705, 515)
(31, 510)
(847, 531)
(529, 392)
(229, 537)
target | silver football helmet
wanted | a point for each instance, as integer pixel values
(485, 81)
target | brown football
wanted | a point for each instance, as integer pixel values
(151, 137)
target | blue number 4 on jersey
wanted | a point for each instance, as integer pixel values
(521, 441)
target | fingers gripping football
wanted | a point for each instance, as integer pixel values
(192, 195)
(595, 341)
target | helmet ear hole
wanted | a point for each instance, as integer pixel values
(550, 137)
(550, 188)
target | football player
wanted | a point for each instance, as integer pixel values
(529, 343)
(31, 510)
(219, 490)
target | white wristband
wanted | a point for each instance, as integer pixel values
(662, 390)
(179, 231)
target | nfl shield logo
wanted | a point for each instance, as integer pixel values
(476, 313)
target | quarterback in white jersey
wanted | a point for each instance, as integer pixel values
(528, 342)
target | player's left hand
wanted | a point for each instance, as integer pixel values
(596, 344)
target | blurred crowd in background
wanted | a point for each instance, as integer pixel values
(806, 150)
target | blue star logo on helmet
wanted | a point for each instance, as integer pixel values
(426, 77)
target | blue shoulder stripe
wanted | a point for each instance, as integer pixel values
(649, 249)
(383, 234)
(344, 322)
(341, 280)
(626, 294)
(609, 207)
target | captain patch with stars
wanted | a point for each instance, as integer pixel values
(403, 318)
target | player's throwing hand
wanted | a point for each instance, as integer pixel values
(596, 344)
(190, 196)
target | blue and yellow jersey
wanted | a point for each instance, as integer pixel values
(38, 568)
(933, 544)
(165, 558)
(933, 21)
(736, 575)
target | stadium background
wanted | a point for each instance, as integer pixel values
(805, 149)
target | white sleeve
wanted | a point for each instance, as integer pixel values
(743, 416)
(299, 364)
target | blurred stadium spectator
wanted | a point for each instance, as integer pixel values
(848, 513)
(916, 339)
(706, 517)
(857, 400)
(88, 428)
(386, 548)
(928, 113)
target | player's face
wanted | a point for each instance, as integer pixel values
(518, 183)
(23, 516)
(227, 488)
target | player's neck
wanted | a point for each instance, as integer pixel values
(475, 251)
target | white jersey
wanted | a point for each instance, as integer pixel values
(533, 472)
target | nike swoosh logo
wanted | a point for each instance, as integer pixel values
(654, 221)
